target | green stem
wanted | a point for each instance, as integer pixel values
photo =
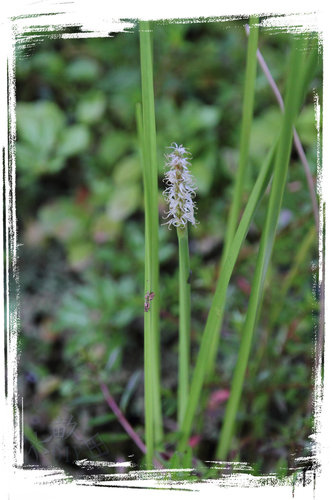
(184, 322)
(265, 250)
(216, 311)
(153, 413)
(247, 116)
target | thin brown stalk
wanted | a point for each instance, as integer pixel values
(120, 416)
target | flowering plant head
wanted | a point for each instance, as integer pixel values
(180, 189)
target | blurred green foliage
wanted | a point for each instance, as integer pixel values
(80, 213)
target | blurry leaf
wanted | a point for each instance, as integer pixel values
(75, 139)
(264, 130)
(39, 124)
(105, 229)
(175, 461)
(260, 402)
(62, 219)
(124, 316)
(127, 171)
(80, 254)
(112, 358)
(113, 437)
(33, 438)
(28, 160)
(32, 163)
(176, 34)
(129, 389)
(53, 165)
(291, 395)
(306, 126)
(88, 399)
(102, 419)
(87, 295)
(91, 107)
(67, 388)
(107, 290)
(82, 70)
(125, 287)
(50, 64)
(196, 117)
(72, 315)
(209, 116)
(123, 104)
(124, 201)
(113, 145)
(124, 79)
(202, 170)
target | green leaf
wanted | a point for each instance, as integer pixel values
(33, 438)
(79, 254)
(113, 437)
(130, 388)
(113, 145)
(39, 124)
(62, 220)
(127, 171)
(91, 107)
(305, 126)
(264, 130)
(102, 419)
(123, 202)
(202, 171)
(88, 399)
(75, 139)
(50, 64)
(83, 70)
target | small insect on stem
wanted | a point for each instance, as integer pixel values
(148, 298)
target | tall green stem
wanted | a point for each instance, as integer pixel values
(294, 88)
(217, 308)
(247, 116)
(184, 322)
(209, 344)
(153, 414)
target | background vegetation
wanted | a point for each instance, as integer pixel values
(81, 222)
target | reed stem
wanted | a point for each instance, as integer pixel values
(294, 87)
(153, 413)
(184, 322)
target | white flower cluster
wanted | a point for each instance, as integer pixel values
(181, 190)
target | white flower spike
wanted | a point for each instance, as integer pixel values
(181, 189)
